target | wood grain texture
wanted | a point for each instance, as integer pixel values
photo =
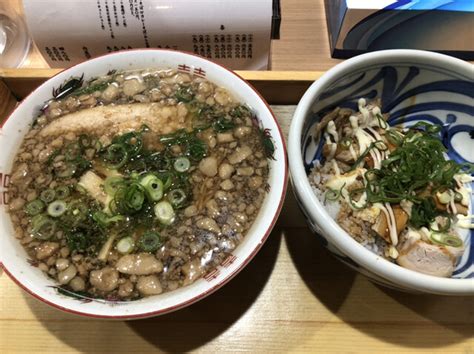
(278, 87)
(293, 297)
(7, 100)
(304, 43)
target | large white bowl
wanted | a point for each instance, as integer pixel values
(31, 279)
(413, 85)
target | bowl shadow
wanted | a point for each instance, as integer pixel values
(335, 287)
(189, 328)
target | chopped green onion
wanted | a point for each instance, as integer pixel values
(97, 145)
(132, 142)
(380, 145)
(76, 241)
(72, 151)
(184, 94)
(125, 245)
(42, 227)
(153, 187)
(164, 212)
(113, 183)
(333, 194)
(85, 141)
(168, 180)
(48, 195)
(177, 198)
(57, 208)
(240, 111)
(104, 220)
(62, 192)
(457, 197)
(446, 239)
(78, 207)
(394, 137)
(76, 213)
(116, 155)
(346, 142)
(150, 241)
(196, 149)
(134, 196)
(430, 128)
(441, 228)
(34, 207)
(353, 202)
(66, 171)
(182, 164)
(100, 86)
(382, 123)
(222, 124)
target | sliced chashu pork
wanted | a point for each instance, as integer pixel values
(424, 257)
(119, 119)
(427, 258)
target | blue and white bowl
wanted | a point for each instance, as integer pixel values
(413, 85)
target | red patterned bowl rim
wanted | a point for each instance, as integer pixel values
(221, 282)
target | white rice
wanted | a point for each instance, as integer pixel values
(317, 178)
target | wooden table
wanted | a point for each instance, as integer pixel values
(293, 297)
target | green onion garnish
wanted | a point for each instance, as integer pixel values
(164, 212)
(42, 227)
(177, 198)
(34, 207)
(182, 164)
(48, 195)
(184, 94)
(457, 197)
(416, 167)
(113, 183)
(116, 156)
(57, 208)
(68, 170)
(62, 192)
(446, 239)
(85, 141)
(72, 151)
(153, 187)
(125, 245)
(134, 196)
(150, 241)
(222, 125)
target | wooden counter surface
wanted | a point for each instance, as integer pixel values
(293, 297)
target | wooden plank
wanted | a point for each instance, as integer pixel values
(7, 101)
(293, 297)
(278, 87)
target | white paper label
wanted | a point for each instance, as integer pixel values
(234, 33)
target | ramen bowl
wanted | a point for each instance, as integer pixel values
(413, 86)
(14, 259)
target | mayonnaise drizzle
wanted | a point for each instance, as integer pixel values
(331, 130)
(390, 217)
(465, 222)
(353, 153)
(452, 204)
(335, 167)
(332, 147)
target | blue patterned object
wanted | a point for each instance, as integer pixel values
(409, 93)
(359, 26)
